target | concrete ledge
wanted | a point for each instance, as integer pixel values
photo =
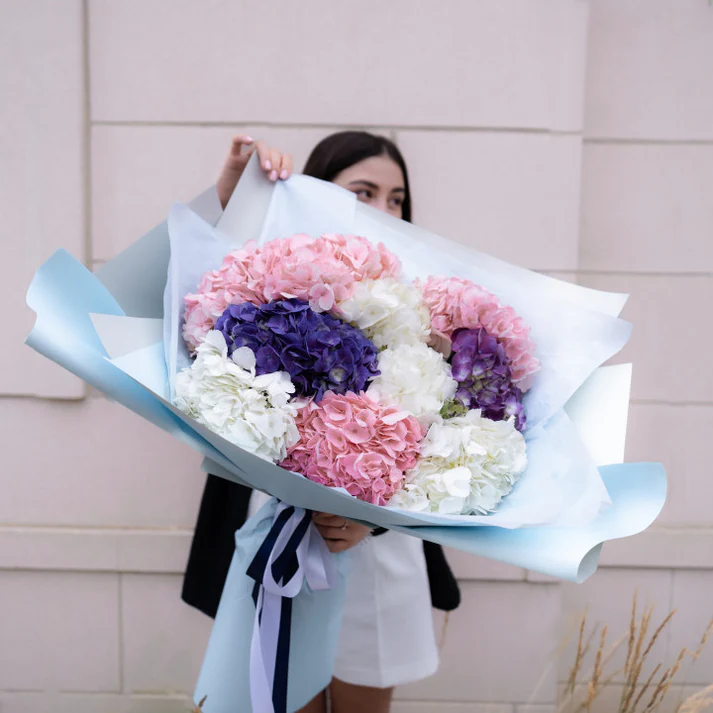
(103, 550)
(166, 551)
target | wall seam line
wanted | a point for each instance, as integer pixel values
(219, 124)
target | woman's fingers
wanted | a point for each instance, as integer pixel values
(332, 533)
(233, 168)
(324, 518)
(338, 545)
(275, 162)
(337, 537)
(263, 152)
(334, 539)
(286, 166)
(236, 148)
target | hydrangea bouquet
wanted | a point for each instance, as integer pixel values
(317, 354)
(399, 379)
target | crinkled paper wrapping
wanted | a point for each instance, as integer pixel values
(108, 329)
(119, 330)
(224, 678)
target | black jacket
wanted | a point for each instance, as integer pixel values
(224, 509)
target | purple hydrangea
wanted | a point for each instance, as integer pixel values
(320, 352)
(482, 370)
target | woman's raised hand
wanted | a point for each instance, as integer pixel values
(274, 163)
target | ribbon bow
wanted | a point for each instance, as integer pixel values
(292, 552)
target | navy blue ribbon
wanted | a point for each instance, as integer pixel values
(284, 567)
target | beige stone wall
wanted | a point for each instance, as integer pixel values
(572, 136)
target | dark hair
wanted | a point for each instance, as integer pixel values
(339, 151)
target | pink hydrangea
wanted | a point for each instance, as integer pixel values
(240, 278)
(365, 260)
(353, 442)
(202, 312)
(457, 303)
(321, 271)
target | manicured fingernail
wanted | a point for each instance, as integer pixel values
(268, 165)
(249, 139)
(283, 175)
(273, 176)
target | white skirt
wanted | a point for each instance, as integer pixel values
(387, 636)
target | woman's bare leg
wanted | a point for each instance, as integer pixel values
(347, 698)
(317, 705)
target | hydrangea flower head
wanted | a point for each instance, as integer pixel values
(319, 352)
(351, 441)
(456, 303)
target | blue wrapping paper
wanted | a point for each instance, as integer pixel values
(65, 296)
(316, 618)
(117, 330)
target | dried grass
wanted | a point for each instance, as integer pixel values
(697, 702)
(639, 694)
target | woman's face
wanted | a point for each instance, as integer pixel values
(377, 181)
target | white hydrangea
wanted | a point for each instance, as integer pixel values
(415, 378)
(389, 312)
(226, 396)
(468, 465)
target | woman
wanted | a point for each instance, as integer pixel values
(387, 631)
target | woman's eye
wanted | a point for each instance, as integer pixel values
(364, 194)
(397, 201)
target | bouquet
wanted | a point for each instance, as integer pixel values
(317, 354)
(302, 340)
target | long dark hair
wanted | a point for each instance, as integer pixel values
(339, 151)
